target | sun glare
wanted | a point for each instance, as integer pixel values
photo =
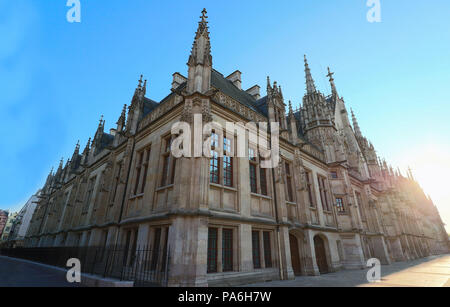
(430, 166)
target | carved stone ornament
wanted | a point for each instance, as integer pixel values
(302, 173)
(186, 115)
(206, 111)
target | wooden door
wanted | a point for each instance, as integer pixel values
(321, 256)
(295, 257)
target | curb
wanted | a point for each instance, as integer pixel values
(87, 280)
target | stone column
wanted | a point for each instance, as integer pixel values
(188, 241)
(245, 248)
(380, 250)
(286, 260)
(310, 265)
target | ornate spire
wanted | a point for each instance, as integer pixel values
(77, 149)
(48, 182)
(200, 59)
(201, 49)
(122, 119)
(410, 174)
(356, 125)
(144, 88)
(140, 83)
(310, 86)
(139, 93)
(86, 151)
(100, 131)
(75, 157)
(291, 111)
(333, 86)
(88, 147)
(101, 123)
(61, 164)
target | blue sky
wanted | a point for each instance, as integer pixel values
(57, 78)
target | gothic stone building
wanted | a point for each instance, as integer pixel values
(330, 204)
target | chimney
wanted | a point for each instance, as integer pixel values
(254, 91)
(236, 79)
(178, 79)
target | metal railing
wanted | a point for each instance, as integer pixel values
(144, 266)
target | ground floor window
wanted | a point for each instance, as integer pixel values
(156, 248)
(255, 248)
(227, 250)
(221, 248)
(212, 250)
(267, 249)
(261, 247)
(156, 254)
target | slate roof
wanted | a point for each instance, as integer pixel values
(228, 88)
(298, 119)
(149, 106)
(261, 104)
(105, 140)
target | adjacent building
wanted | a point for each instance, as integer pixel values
(330, 203)
(3, 219)
(21, 223)
(8, 227)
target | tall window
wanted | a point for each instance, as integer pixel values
(138, 171)
(312, 203)
(290, 194)
(253, 183)
(340, 205)
(145, 164)
(263, 181)
(323, 193)
(258, 175)
(362, 210)
(169, 163)
(156, 248)
(221, 169)
(227, 250)
(227, 164)
(256, 250)
(226, 256)
(117, 180)
(212, 250)
(214, 168)
(253, 164)
(89, 193)
(267, 249)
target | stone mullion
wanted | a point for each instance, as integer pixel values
(219, 250)
(261, 249)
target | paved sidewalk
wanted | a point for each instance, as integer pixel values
(433, 271)
(17, 273)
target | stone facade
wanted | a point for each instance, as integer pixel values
(330, 204)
